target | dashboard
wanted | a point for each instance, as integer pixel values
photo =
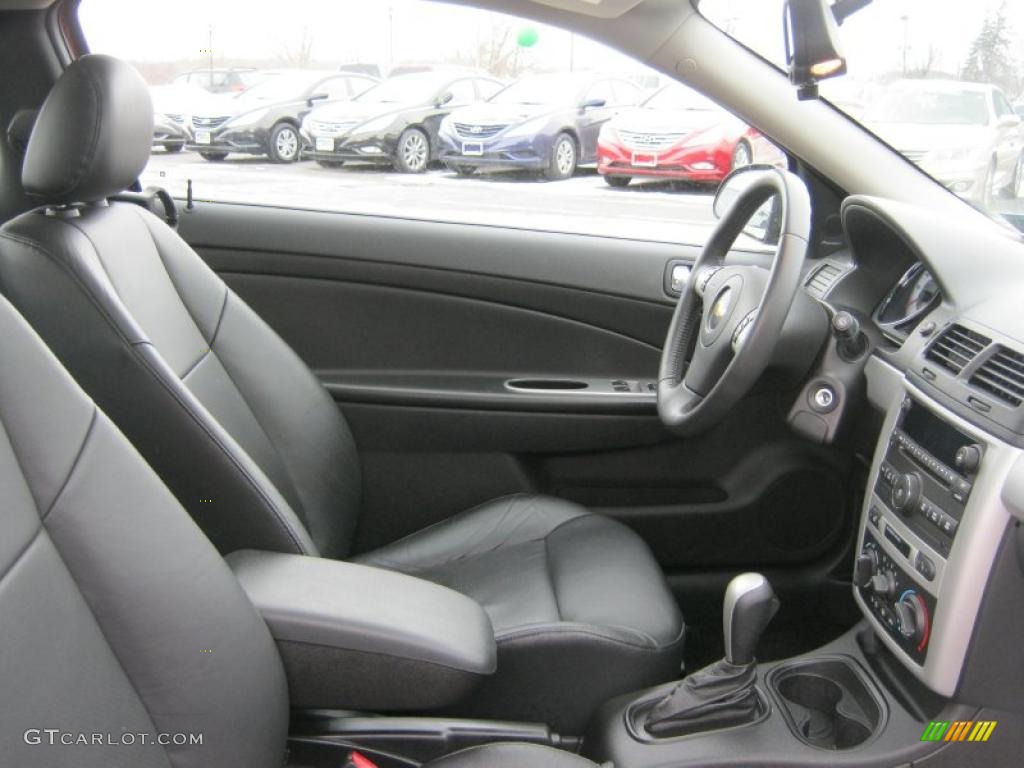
(939, 301)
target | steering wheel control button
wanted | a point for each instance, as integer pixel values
(703, 278)
(823, 397)
(743, 330)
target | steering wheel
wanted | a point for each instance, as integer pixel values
(729, 318)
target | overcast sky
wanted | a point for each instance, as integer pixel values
(361, 30)
(342, 30)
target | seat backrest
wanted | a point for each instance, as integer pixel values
(225, 412)
(124, 637)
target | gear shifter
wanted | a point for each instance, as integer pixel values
(750, 603)
(723, 694)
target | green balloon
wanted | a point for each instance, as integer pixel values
(528, 37)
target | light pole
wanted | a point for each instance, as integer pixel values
(391, 36)
(906, 40)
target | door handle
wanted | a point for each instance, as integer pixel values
(677, 275)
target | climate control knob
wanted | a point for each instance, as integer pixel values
(906, 492)
(912, 617)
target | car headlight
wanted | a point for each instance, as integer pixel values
(951, 154)
(375, 125)
(249, 118)
(527, 129)
(608, 134)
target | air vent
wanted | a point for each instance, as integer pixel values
(1002, 375)
(956, 348)
(822, 278)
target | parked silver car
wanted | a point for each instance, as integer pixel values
(966, 135)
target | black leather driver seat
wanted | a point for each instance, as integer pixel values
(121, 627)
(253, 447)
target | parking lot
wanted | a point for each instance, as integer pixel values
(584, 204)
(661, 211)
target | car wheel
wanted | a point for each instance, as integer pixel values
(413, 154)
(284, 143)
(330, 163)
(618, 181)
(741, 156)
(465, 170)
(562, 164)
(214, 157)
(173, 148)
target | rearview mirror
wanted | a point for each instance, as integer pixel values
(592, 104)
(766, 222)
(1009, 121)
(444, 98)
(316, 97)
(812, 45)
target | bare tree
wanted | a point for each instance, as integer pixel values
(301, 53)
(498, 53)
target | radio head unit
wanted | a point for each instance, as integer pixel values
(927, 474)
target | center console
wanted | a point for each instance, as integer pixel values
(930, 532)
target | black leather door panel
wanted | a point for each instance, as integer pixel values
(351, 326)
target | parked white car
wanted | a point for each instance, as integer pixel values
(966, 135)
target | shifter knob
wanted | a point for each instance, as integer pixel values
(750, 603)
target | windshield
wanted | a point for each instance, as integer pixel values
(937, 80)
(540, 89)
(680, 98)
(281, 86)
(404, 89)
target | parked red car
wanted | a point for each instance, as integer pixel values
(679, 134)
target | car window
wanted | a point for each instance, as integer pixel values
(626, 94)
(463, 92)
(602, 91)
(487, 88)
(1003, 107)
(335, 88)
(358, 85)
(517, 86)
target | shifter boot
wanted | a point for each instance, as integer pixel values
(720, 695)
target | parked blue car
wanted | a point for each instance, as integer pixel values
(545, 123)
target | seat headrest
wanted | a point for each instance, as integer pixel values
(93, 135)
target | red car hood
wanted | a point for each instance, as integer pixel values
(684, 121)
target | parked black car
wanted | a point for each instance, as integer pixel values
(265, 119)
(395, 122)
(547, 123)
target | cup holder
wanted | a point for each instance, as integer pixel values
(827, 703)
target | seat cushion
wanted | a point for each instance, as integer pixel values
(569, 593)
(511, 756)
